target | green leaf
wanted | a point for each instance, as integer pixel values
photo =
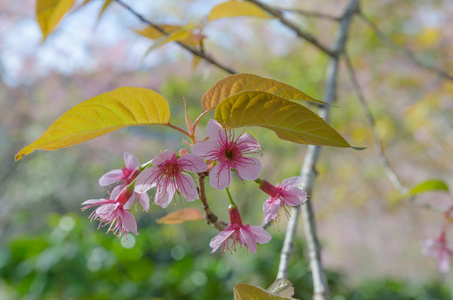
(182, 215)
(244, 291)
(237, 9)
(123, 107)
(50, 12)
(289, 120)
(428, 186)
(237, 83)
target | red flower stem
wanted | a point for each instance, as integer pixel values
(210, 216)
(178, 129)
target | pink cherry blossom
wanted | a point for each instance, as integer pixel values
(127, 173)
(286, 194)
(167, 175)
(111, 211)
(438, 248)
(230, 154)
(237, 233)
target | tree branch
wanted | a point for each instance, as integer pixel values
(312, 14)
(210, 216)
(194, 51)
(408, 53)
(300, 33)
(308, 172)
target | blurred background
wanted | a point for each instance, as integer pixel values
(371, 238)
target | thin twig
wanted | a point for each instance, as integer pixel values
(300, 33)
(408, 53)
(308, 172)
(194, 51)
(210, 216)
(312, 14)
(391, 175)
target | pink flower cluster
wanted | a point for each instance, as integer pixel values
(220, 156)
(438, 248)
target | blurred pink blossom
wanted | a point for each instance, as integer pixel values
(244, 235)
(166, 174)
(438, 248)
(127, 173)
(230, 155)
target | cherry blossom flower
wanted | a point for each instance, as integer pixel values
(438, 248)
(230, 154)
(286, 194)
(167, 175)
(127, 173)
(237, 233)
(111, 211)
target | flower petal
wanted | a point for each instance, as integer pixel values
(249, 238)
(209, 150)
(248, 168)
(111, 177)
(144, 200)
(187, 187)
(294, 196)
(130, 161)
(220, 238)
(128, 221)
(146, 180)
(215, 131)
(261, 235)
(164, 157)
(247, 143)
(292, 181)
(219, 177)
(270, 208)
(192, 163)
(164, 194)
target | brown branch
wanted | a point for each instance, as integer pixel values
(311, 14)
(196, 52)
(210, 216)
(408, 53)
(300, 33)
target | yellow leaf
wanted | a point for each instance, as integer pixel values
(237, 83)
(123, 107)
(289, 120)
(174, 32)
(237, 9)
(244, 291)
(50, 12)
(182, 215)
(104, 7)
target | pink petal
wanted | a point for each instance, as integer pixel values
(111, 177)
(116, 191)
(247, 143)
(219, 178)
(249, 239)
(261, 235)
(164, 194)
(130, 161)
(297, 181)
(207, 149)
(444, 260)
(270, 208)
(186, 186)
(164, 157)
(95, 202)
(144, 200)
(220, 238)
(128, 222)
(146, 180)
(248, 168)
(215, 131)
(192, 163)
(294, 196)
